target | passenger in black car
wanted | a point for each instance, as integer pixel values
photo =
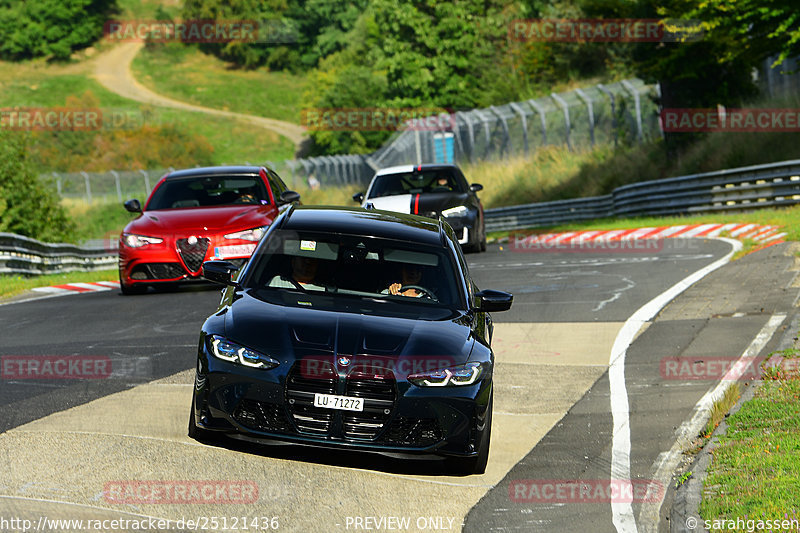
(304, 272)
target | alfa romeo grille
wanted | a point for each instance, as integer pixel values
(193, 253)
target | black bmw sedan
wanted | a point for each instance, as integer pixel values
(355, 329)
(431, 190)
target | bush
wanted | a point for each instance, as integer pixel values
(27, 205)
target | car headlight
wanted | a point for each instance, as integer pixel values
(448, 377)
(253, 234)
(458, 211)
(229, 351)
(137, 241)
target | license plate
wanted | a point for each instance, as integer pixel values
(344, 403)
(234, 250)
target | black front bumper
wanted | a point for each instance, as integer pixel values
(398, 417)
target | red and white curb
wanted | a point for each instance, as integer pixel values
(756, 232)
(72, 288)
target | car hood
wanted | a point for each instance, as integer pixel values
(290, 333)
(419, 203)
(199, 219)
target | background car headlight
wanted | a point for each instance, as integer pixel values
(229, 351)
(454, 376)
(253, 234)
(137, 241)
(458, 211)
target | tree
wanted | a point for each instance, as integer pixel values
(267, 13)
(28, 206)
(51, 28)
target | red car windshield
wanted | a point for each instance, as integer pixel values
(209, 191)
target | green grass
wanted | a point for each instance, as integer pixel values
(148, 9)
(37, 84)
(184, 73)
(755, 472)
(14, 285)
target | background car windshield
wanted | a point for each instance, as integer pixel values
(424, 181)
(209, 191)
(350, 266)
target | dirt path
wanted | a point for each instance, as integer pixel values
(113, 71)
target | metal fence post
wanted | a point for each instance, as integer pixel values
(507, 141)
(543, 120)
(610, 95)
(565, 107)
(88, 187)
(116, 181)
(146, 182)
(58, 182)
(583, 96)
(516, 107)
(638, 106)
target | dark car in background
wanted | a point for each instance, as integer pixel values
(432, 190)
(195, 215)
(354, 329)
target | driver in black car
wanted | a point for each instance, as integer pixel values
(409, 275)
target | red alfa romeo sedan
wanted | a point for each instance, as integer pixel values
(197, 215)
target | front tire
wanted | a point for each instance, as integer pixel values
(129, 290)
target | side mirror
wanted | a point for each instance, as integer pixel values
(133, 206)
(219, 272)
(475, 187)
(288, 197)
(491, 300)
(358, 197)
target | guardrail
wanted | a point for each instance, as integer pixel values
(22, 255)
(745, 188)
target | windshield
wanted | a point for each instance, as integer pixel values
(355, 267)
(424, 181)
(209, 191)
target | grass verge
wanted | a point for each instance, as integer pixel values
(14, 285)
(185, 73)
(39, 84)
(756, 467)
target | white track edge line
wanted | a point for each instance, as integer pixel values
(622, 513)
(668, 461)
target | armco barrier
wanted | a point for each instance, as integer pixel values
(737, 189)
(745, 188)
(22, 255)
